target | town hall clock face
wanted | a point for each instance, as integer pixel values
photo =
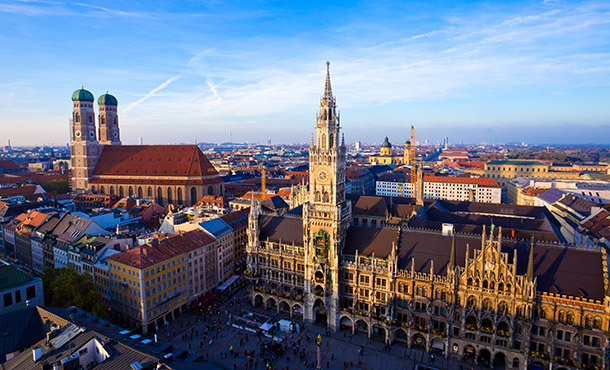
(322, 175)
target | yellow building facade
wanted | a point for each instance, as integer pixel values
(505, 170)
(387, 157)
(148, 285)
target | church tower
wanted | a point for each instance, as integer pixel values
(326, 214)
(407, 153)
(108, 120)
(84, 147)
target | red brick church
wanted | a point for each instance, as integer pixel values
(100, 164)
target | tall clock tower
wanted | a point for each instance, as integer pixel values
(326, 215)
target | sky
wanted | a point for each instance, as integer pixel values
(210, 71)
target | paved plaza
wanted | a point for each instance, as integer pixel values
(339, 350)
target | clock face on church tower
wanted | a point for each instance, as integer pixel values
(322, 175)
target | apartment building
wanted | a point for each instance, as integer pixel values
(483, 190)
(150, 284)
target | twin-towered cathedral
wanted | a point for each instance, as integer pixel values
(500, 301)
(170, 174)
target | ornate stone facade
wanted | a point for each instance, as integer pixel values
(504, 302)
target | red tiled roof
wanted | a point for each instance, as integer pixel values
(284, 192)
(210, 199)
(33, 219)
(258, 195)
(471, 164)
(153, 160)
(7, 165)
(532, 191)
(125, 203)
(481, 181)
(19, 178)
(25, 190)
(151, 254)
(236, 217)
(356, 174)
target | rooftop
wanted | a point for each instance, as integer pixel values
(155, 160)
(11, 276)
(517, 162)
(567, 271)
(151, 254)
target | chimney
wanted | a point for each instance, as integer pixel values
(37, 353)
(145, 251)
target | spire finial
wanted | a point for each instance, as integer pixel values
(82, 87)
(328, 92)
(452, 258)
(530, 262)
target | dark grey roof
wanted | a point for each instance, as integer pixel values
(551, 195)
(274, 203)
(297, 211)
(185, 365)
(366, 240)
(19, 329)
(373, 205)
(120, 355)
(568, 271)
(510, 210)
(49, 224)
(578, 204)
(11, 210)
(509, 216)
(287, 229)
(478, 229)
(370, 206)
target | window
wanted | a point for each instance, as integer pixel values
(538, 330)
(8, 299)
(17, 296)
(30, 292)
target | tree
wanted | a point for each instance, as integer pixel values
(65, 287)
(60, 186)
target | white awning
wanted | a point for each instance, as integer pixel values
(228, 283)
(438, 344)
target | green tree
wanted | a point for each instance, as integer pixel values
(65, 287)
(60, 186)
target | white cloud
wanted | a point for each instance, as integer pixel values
(259, 79)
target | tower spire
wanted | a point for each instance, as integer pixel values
(328, 91)
(452, 258)
(530, 262)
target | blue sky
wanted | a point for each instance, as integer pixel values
(476, 71)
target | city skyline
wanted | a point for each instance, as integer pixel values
(535, 72)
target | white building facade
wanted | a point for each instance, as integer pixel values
(467, 189)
